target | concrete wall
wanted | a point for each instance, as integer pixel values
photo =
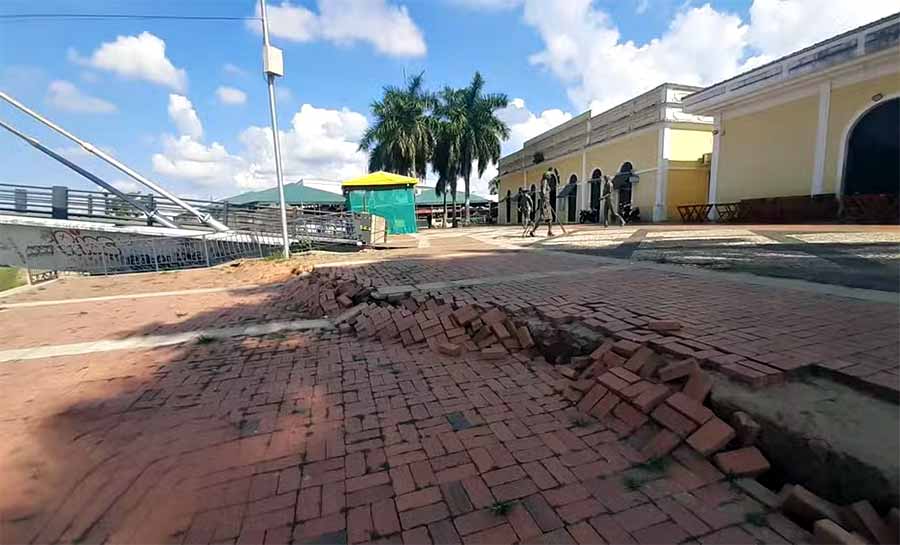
(845, 105)
(768, 153)
(686, 187)
(688, 145)
(642, 149)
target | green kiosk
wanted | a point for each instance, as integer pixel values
(387, 195)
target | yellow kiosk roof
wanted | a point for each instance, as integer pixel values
(380, 178)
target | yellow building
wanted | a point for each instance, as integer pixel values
(821, 121)
(668, 149)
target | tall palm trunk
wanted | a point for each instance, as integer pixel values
(468, 218)
(455, 211)
(444, 223)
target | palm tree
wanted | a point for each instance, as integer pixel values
(445, 156)
(400, 139)
(481, 130)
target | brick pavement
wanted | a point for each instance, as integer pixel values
(330, 437)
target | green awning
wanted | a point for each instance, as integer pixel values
(295, 193)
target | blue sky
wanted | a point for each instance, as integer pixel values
(110, 82)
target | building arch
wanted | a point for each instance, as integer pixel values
(595, 181)
(870, 147)
(572, 198)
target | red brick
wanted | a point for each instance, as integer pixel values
(862, 517)
(639, 517)
(320, 526)
(698, 386)
(566, 494)
(805, 507)
(505, 475)
(493, 316)
(664, 532)
(367, 481)
(637, 389)
(673, 420)
(631, 416)
(689, 408)
(745, 374)
(747, 461)
(611, 359)
(746, 428)
(333, 498)
(514, 490)
(539, 474)
(422, 473)
(478, 492)
(494, 352)
(524, 337)
(639, 359)
(450, 349)
(686, 520)
(605, 405)
(419, 536)
(650, 398)
(402, 480)
(612, 382)
(500, 331)
(601, 350)
(359, 524)
(663, 325)
(498, 535)
(543, 514)
(610, 530)
(585, 534)
(423, 515)
(457, 473)
(828, 531)
(441, 532)
(419, 498)
(522, 522)
(476, 521)
(370, 495)
(678, 369)
(711, 437)
(456, 498)
(591, 398)
(384, 517)
(625, 375)
(309, 503)
(580, 510)
(660, 444)
(625, 347)
(465, 315)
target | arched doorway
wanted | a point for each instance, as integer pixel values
(508, 206)
(873, 152)
(596, 179)
(572, 203)
(624, 187)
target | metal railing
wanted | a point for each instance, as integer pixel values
(107, 255)
(64, 203)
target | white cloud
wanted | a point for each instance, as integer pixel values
(523, 124)
(321, 144)
(140, 57)
(641, 7)
(489, 5)
(233, 69)
(128, 186)
(183, 115)
(284, 93)
(230, 95)
(66, 96)
(702, 45)
(387, 27)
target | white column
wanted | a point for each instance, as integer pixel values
(712, 197)
(662, 176)
(818, 179)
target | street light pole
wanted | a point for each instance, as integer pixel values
(273, 65)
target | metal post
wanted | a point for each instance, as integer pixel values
(59, 208)
(90, 148)
(270, 77)
(258, 244)
(205, 250)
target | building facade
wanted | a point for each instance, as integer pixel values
(821, 121)
(667, 148)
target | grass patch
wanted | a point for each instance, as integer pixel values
(757, 518)
(278, 256)
(656, 465)
(10, 278)
(501, 508)
(206, 339)
(632, 483)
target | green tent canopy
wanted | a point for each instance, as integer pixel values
(295, 193)
(427, 196)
